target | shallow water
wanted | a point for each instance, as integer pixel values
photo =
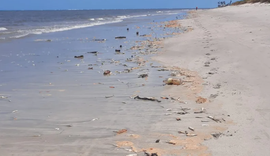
(19, 24)
(47, 89)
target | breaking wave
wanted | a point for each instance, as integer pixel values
(3, 29)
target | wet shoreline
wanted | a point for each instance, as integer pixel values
(51, 98)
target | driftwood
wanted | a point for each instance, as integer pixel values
(191, 128)
(120, 37)
(191, 135)
(80, 56)
(214, 119)
(92, 52)
(147, 98)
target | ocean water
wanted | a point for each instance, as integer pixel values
(19, 24)
(45, 88)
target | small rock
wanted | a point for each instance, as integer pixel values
(173, 81)
(143, 76)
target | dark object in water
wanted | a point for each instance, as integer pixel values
(143, 35)
(120, 37)
(143, 76)
(147, 98)
(99, 40)
(107, 72)
(80, 56)
(117, 50)
(120, 46)
(92, 52)
(90, 68)
(127, 29)
(137, 33)
(49, 40)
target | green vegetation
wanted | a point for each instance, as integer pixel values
(250, 1)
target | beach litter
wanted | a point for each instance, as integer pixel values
(163, 69)
(201, 100)
(201, 111)
(117, 50)
(121, 131)
(216, 135)
(80, 56)
(147, 98)
(99, 40)
(165, 98)
(172, 81)
(92, 52)
(132, 155)
(171, 142)
(94, 119)
(14, 111)
(178, 119)
(214, 119)
(150, 154)
(191, 135)
(110, 96)
(107, 72)
(120, 37)
(191, 128)
(143, 76)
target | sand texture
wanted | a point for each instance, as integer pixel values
(229, 48)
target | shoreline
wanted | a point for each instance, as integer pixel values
(56, 105)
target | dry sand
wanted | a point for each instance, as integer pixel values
(229, 48)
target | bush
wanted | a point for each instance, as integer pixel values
(250, 1)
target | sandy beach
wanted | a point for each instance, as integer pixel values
(229, 49)
(218, 59)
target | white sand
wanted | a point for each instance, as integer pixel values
(237, 39)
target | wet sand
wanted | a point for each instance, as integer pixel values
(55, 104)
